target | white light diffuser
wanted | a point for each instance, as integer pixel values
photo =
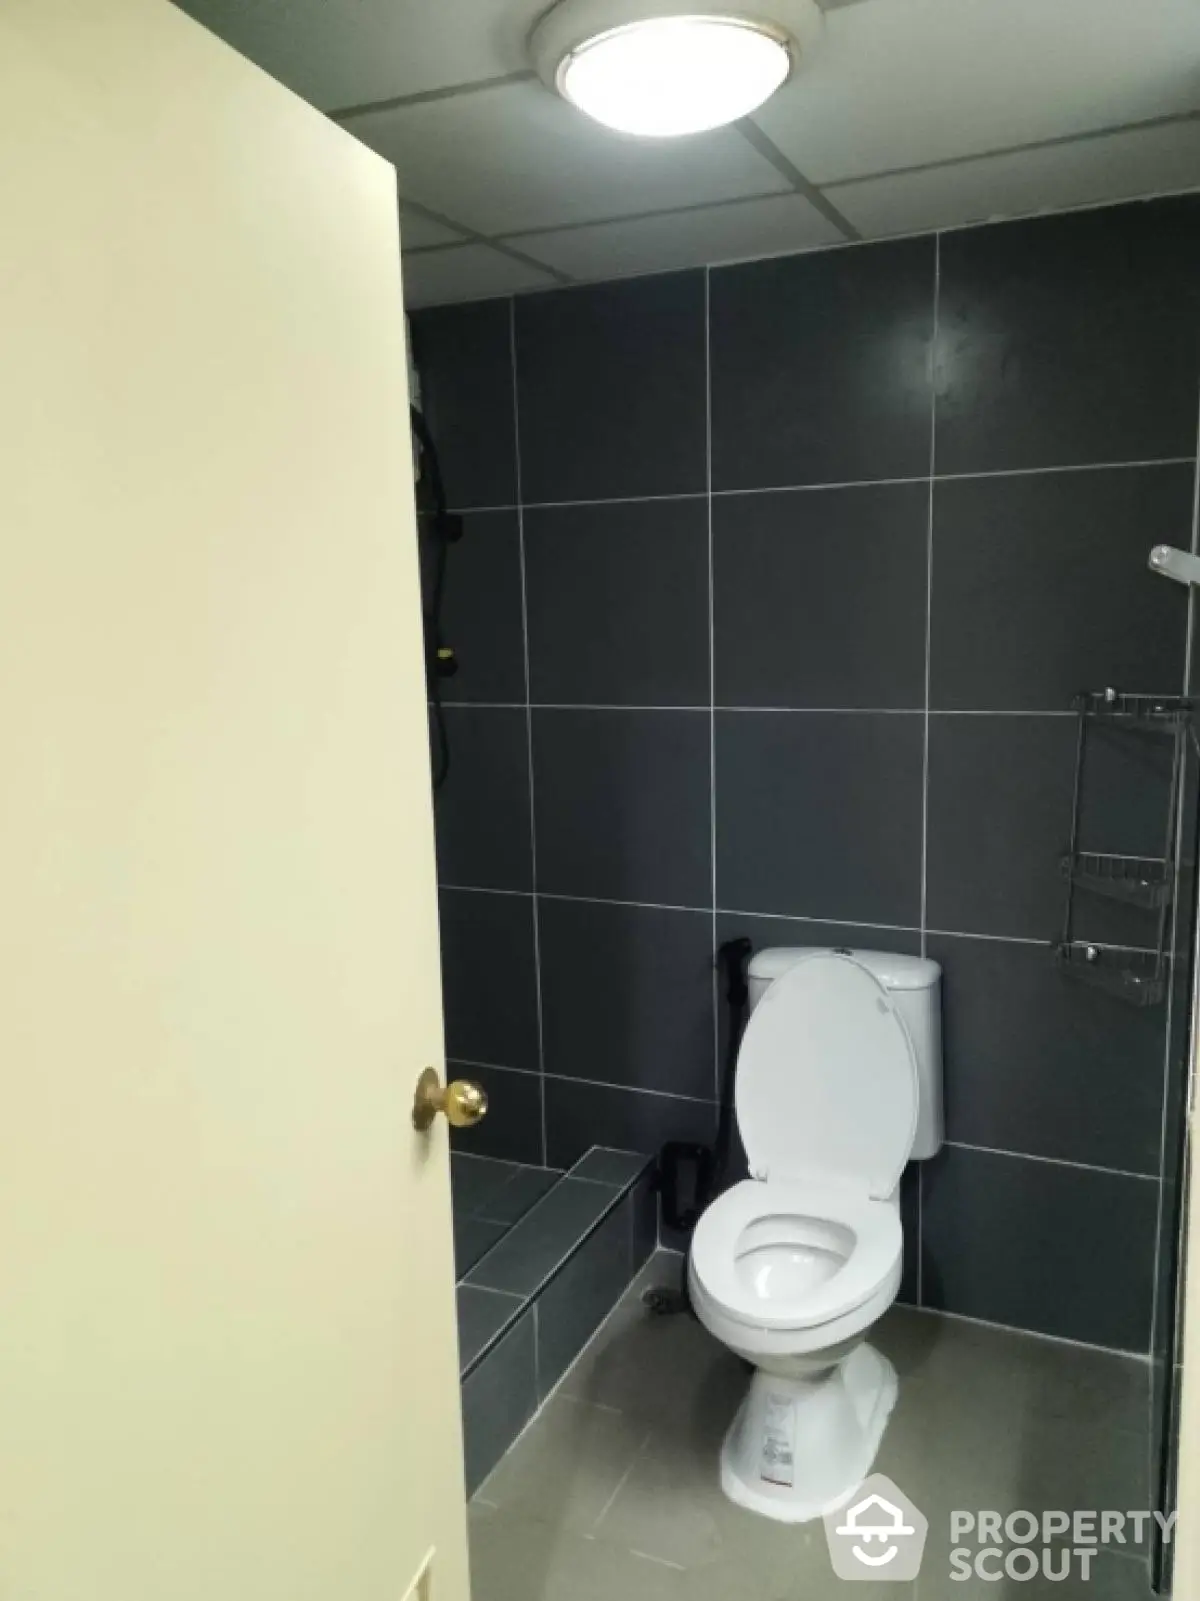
(675, 75)
(660, 68)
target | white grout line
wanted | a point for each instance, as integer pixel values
(633, 1089)
(647, 906)
(809, 489)
(1051, 1161)
(714, 985)
(1069, 467)
(592, 706)
(621, 1482)
(933, 375)
(615, 500)
(486, 1289)
(537, 1359)
(777, 917)
(794, 711)
(846, 483)
(675, 1567)
(537, 949)
(1194, 544)
(933, 370)
(485, 889)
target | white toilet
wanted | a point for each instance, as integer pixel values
(839, 1084)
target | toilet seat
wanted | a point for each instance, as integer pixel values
(847, 1246)
(826, 1087)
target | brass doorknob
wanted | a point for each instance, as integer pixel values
(463, 1102)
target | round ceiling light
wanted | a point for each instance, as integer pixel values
(661, 68)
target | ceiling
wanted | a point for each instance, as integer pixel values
(909, 115)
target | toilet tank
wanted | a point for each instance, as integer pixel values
(915, 984)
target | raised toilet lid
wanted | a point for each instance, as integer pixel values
(826, 1078)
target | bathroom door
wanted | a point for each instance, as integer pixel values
(227, 1347)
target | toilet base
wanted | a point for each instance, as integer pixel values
(800, 1447)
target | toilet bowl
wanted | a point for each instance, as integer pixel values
(792, 1267)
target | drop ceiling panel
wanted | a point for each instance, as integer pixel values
(518, 157)
(347, 52)
(688, 239)
(897, 83)
(1117, 167)
(418, 232)
(466, 272)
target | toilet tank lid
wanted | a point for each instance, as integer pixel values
(894, 972)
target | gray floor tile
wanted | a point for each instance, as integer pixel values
(1111, 1578)
(544, 1237)
(987, 1418)
(606, 1166)
(567, 1469)
(481, 1315)
(515, 1557)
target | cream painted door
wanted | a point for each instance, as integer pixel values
(227, 1346)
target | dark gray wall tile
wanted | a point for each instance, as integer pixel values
(618, 603)
(611, 386)
(512, 1129)
(489, 990)
(473, 1239)
(481, 1316)
(819, 597)
(1127, 780)
(1041, 589)
(820, 815)
(542, 1240)
(521, 1194)
(481, 812)
(482, 608)
(622, 804)
(1069, 339)
(477, 1180)
(579, 1116)
(578, 1299)
(1037, 1063)
(1060, 1250)
(642, 1206)
(1064, 342)
(820, 367)
(1000, 821)
(627, 995)
(910, 1221)
(464, 357)
(498, 1400)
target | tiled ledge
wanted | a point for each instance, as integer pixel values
(532, 1302)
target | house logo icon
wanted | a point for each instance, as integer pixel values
(879, 1535)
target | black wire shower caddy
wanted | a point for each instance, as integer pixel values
(1138, 976)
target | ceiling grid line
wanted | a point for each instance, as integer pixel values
(471, 237)
(836, 183)
(908, 117)
(770, 151)
(425, 97)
